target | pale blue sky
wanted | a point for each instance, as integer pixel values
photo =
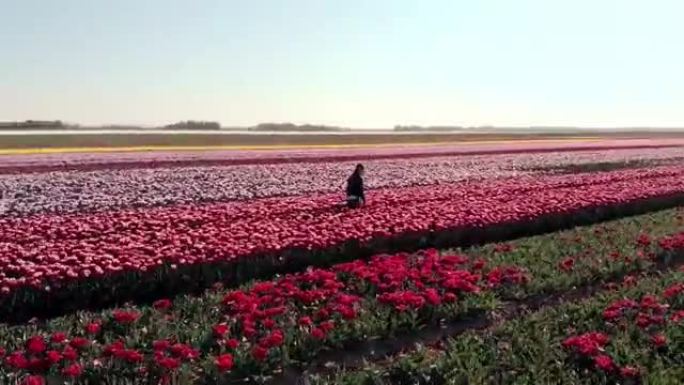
(372, 63)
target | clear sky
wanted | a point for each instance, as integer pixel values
(359, 63)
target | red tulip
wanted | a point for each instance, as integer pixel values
(69, 354)
(629, 371)
(259, 353)
(169, 363)
(53, 357)
(125, 317)
(161, 345)
(133, 356)
(604, 362)
(72, 371)
(659, 340)
(17, 360)
(224, 362)
(220, 330)
(567, 264)
(232, 343)
(79, 342)
(36, 345)
(318, 333)
(33, 380)
(58, 337)
(162, 304)
(93, 328)
(305, 321)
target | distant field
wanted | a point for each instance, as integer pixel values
(119, 140)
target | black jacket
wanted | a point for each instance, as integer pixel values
(355, 186)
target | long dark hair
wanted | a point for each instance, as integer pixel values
(357, 171)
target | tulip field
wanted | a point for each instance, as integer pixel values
(480, 264)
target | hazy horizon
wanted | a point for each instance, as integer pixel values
(357, 64)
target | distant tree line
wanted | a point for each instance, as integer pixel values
(193, 125)
(428, 128)
(295, 127)
(33, 125)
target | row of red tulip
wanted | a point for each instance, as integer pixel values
(657, 321)
(271, 323)
(47, 251)
(292, 319)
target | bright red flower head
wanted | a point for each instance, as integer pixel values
(432, 297)
(673, 291)
(184, 351)
(232, 343)
(79, 343)
(268, 323)
(305, 321)
(259, 353)
(69, 353)
(629, 372)
(93, 328)
(36, 345)
(220, 330)
(133, 356)
(567, 264)
(72, 371)
(169, 363)
(53, 357)
(644, 240)
(17, 360)
(479, 264)
(659, 340)
(676, 317)
(124, 317)
(450, 297)
(224, 362)
(318, 333)
(58, 337)
(588, 344)
(161, 345)
(604, 362)
(33, 380)
(327, 326)
(162, 304)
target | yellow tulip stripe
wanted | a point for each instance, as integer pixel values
(63, 150)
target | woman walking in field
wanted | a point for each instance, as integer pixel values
(355, 195)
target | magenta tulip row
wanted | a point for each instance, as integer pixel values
(48, 250)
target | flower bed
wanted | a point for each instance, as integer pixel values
(113, 256)
(67, 192)
(291, 320)
(573, 343)
(155, 159)
(272, 323)
(634, 329)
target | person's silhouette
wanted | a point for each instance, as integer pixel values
(355, 195)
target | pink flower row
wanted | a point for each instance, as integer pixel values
(47, 250)
(68, 192)
(92, 161)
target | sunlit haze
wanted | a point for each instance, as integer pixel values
(356, 63)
